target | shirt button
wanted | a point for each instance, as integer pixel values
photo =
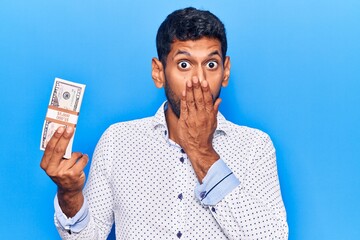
(182, 159)
(182, 151)
(213, 209)
(165, 132)
(202, 194)
(180, 196)
(179, 234)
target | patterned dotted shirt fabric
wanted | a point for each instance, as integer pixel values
(144, 182)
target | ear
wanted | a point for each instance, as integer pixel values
(157, 73)
(227, 66)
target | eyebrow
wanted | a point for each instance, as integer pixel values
(179, 52)
(216, 52)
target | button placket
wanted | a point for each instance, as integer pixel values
(182, 193)
(183, 155)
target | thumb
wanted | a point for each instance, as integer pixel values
(216, 105)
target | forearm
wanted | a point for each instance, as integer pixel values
(82, 226)
(252, 214)
(256, 204)
(87, 214)
(202, 160)
(239, 209)
(70, 202)
(87, 230)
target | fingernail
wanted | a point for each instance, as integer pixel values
(60, 130)
(188, 83)
(69, 129)
(204, 83)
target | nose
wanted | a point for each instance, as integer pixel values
(200, 73)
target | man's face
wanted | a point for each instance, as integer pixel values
(201, 58)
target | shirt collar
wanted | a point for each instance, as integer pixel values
(159, 120)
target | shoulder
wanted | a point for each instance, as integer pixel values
(123, 134)
(247, 134)
(245, 147)
(129, 126)
(247, 141)
(127, 130)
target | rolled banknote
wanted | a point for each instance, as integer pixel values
(63, 110)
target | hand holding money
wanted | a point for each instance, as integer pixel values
(67, 174)
(58, 133)
(63, 110)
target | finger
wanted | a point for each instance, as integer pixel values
(208, 98)
(61, 145)
(198, 94)
(69, 163)
(81, 164)
(51, 146)
(190, 102)
(183, 106)
(70, 166)
(216, 105)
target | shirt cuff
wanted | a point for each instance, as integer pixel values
(218, 182)
(76, 223)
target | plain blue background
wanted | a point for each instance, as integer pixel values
(295, 75)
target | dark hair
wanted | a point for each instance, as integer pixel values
(189, 24)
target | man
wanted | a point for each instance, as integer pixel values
(185, 173)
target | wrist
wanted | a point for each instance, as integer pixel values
(202, 161)
(68, 194)
(70, 202)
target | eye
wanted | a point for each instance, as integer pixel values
(183, 65)
(212, 64)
